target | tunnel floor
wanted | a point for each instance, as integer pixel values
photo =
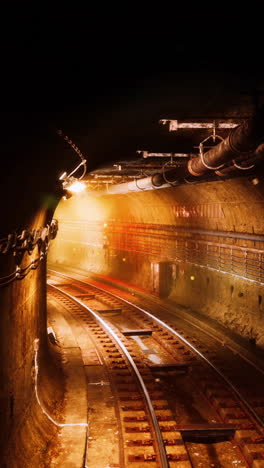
(90, 399)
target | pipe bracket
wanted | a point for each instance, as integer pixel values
(242, 168)
(207, 166)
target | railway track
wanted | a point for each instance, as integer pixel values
(175, 401)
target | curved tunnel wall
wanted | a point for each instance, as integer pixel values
(200, 245)
(26, 432)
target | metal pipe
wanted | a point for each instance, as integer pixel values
(243, 164)
(147, 183)
(241, 142)
(239, 147)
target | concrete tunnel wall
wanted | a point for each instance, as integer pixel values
(33, 160)
(29, 190)
(125, 235)
(26, 433)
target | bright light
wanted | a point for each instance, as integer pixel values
(192, 278)
(76, 187)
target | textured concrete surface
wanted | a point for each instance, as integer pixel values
(22, 320)
(72, 439)
(232, 205)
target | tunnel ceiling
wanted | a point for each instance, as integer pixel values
(129, 119)
(119, 138)
(109, 121)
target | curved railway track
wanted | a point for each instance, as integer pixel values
(178, 401)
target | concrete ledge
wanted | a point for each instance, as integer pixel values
(73, 439)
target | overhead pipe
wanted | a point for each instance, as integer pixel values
(241, 148)
(241, 143)
(137, 185)
(241, 164)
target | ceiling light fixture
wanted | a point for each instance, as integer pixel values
(70, 183)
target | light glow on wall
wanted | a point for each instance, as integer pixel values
(76, 187)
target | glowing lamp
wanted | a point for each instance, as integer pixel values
(69, 183)
(76, 187)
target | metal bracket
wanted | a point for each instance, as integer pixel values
(175, 125)
(148, 154)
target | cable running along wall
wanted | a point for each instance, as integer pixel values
(169, 243)
(26, 242)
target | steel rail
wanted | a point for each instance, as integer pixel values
(196, 351)
(161, 446)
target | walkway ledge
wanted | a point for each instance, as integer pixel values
(73, 438)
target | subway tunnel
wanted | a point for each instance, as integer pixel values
(171, 210)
